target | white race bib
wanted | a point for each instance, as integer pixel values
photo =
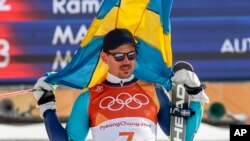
(125, 129)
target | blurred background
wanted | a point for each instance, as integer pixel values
(39, 36)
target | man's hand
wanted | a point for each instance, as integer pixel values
(192, 84)
(44, 94)
(186, 77)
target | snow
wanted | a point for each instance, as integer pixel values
(38, 132)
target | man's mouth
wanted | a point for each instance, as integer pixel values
(125, 67)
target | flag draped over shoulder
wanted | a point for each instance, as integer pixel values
(148, 21)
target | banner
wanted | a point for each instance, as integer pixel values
(37, 36)
(40, 36)
(214, 37)
(219, 49)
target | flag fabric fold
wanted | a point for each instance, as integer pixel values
(148, 21)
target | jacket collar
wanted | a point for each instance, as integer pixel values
(116, 81)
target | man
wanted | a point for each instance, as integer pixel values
(122, 108)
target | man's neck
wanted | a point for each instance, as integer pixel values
(116, 80)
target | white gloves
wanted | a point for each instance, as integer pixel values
(191, 80)
(44, 94)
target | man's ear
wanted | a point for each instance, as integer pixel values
(104, 57)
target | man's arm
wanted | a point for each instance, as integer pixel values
(193, 122)
(54, 129)
(164, 112)
(78, 122)
(44, 94)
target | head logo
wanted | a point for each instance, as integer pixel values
(176, 110)
(179, 121)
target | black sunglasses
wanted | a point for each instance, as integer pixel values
(121, 56)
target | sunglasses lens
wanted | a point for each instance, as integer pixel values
(119, 57)
(131, 55)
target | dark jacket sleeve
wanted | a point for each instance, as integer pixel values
(164, 113)
(55, 130)
(77, 124)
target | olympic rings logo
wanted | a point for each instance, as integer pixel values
(109, 101)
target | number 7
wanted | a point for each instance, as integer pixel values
(129, 134)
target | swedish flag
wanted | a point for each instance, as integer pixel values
(147, 20)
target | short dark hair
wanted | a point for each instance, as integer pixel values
(116, 38)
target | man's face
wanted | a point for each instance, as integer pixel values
(121, 61)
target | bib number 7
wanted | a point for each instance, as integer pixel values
(129, 135)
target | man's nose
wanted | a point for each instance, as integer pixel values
(125, 60)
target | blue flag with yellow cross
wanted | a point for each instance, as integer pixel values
(147, 20)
